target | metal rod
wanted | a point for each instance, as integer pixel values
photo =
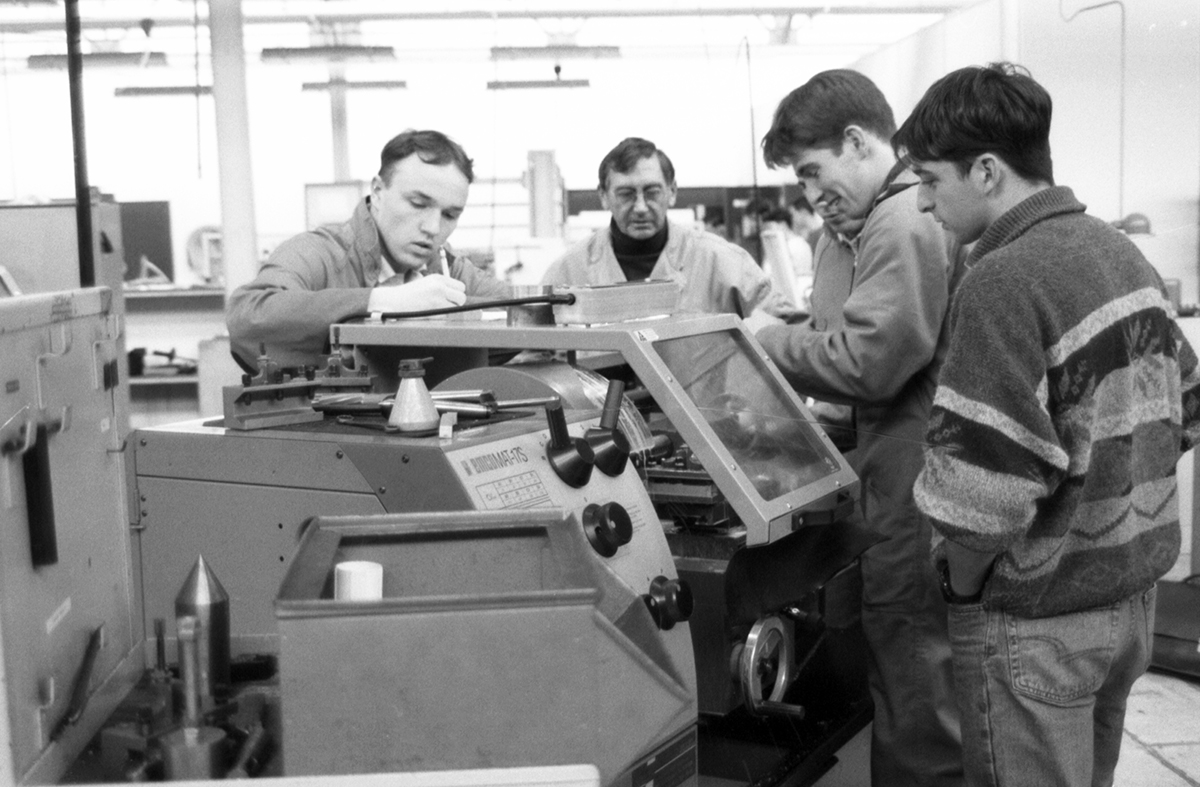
(522, 404)
(188, 668)
(358, 13)
(462, 408)
(83, 192)
(160, 645)
(473, 395)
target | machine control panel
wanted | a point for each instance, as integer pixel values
(518, 472)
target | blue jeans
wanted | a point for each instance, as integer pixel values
(1042, 701)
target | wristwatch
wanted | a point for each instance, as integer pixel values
(948, 593)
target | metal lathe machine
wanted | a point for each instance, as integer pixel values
(619, 543)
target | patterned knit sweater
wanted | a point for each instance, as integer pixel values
(1067, 396)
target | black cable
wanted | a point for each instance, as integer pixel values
(566, 298)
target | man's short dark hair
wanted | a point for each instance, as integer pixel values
(816, 114)
(433, 147)
(628, 152)
(997, 108)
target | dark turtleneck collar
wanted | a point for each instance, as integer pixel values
(637, 257)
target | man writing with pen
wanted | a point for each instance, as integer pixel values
(388, 257)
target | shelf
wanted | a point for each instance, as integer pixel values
(201, 298)
(164, 380)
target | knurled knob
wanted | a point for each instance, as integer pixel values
(670, 601)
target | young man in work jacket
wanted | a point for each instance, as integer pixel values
(882, 286)
(388, 257)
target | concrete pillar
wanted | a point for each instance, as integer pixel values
(339, 124)
(545, 195)
(239, 238)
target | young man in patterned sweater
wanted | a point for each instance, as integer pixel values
(1067, 396)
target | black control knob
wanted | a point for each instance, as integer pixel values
(670, 601)
(609, 444)
(571, 457)
(607, 527)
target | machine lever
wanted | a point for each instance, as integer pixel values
(608, 442)
(571, 457)
(39, 499)
(612, 405)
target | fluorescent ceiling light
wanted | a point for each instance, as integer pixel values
(338, 53)
(559, 52)
(536, 83)
(163, 90)
(382, 84)
(102, 59)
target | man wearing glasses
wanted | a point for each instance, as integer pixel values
(637, 185)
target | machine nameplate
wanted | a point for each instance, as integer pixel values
(495, 460)
(507, 477)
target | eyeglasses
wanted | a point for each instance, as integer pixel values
(629, 196)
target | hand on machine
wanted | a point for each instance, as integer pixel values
(435, 291)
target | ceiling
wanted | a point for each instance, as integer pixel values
(439, 30)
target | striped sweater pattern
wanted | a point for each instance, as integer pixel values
(1067, 396)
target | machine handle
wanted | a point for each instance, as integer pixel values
(571, 457)
(39, 499)
(612, 404)
(670, 601)
(608, 442)
(556, 421)
(607, 527)
(767, 666)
